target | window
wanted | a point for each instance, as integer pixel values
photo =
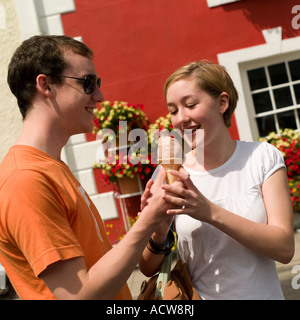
(238, 62)
(275, 92)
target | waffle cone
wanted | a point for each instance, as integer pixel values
(170, 178)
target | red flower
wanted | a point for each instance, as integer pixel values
(96, 123)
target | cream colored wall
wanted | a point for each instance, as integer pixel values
(10, 39)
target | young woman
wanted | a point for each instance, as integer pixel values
(235, 215)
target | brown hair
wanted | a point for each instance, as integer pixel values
(39, 55)
(212, 78)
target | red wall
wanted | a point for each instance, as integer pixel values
(138, 44)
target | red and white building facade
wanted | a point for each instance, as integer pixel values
(139, 43)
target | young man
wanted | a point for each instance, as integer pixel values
(53, 242)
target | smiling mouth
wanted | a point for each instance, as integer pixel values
(90, 110)
(194, 128)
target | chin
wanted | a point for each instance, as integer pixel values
(83, 129)
(89, 130)
(88, 127)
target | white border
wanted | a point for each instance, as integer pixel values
(233, 62)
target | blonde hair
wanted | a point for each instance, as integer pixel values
(212, 78)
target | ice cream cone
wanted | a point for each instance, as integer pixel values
(169, 155)
(170, 178)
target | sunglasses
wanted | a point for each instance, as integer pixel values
(89, 82)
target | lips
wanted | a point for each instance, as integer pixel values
(196, 127)
(193, 128)
(90, 110)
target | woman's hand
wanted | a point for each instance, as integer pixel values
(188, 199)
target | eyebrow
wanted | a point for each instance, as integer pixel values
(170, 104)
(184, 98)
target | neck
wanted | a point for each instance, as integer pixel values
(216, 153)
(43, 135)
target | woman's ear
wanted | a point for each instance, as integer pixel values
(224, 102)
(43, 85)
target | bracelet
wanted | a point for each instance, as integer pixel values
(154, 249)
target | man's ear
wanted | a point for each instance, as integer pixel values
(224, 102)
(43, 85)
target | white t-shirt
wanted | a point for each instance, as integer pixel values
(220, 267)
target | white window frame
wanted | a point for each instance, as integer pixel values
(237, 62)
(282, 58)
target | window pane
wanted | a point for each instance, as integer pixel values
(262, 102)
(297, 92)
(257, 78)
(295, 69)
(266, 125)
(286, 120)
(278, 74)
(283, 97)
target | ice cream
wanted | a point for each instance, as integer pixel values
(170, 154)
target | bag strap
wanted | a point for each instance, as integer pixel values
(164, 273)
(163, 276)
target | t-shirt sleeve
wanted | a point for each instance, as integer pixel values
(272, 160)
(37, 221)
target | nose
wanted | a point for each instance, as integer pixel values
(97, 95)
(182, 118)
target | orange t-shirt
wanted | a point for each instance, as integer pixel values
(45, 216)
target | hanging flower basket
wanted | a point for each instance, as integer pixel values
(109, 114)
(114, 169)
(160, 124)
(129, 185)
(122, 164)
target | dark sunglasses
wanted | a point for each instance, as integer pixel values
(89, 82)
